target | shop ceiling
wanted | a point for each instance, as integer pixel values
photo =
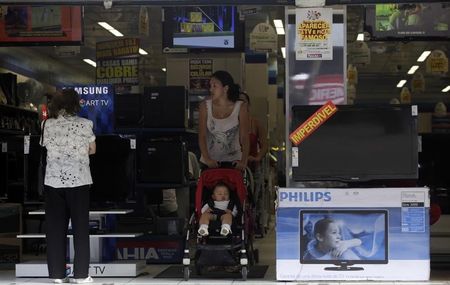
(389, 60)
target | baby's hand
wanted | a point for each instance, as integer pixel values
(209, 210)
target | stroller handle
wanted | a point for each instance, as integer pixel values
(226, 164)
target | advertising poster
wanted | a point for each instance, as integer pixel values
(353, 234)
(313, 34)
(22, 25)
(200, 71)
(97, 105)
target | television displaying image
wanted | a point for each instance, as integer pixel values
(359, 143)
(418, 21)
(41, 25)
(202, 27)
(344, 237)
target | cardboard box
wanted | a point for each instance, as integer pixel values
(353, 234)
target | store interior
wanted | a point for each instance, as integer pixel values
(378, 68)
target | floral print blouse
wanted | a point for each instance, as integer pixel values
(67, 141)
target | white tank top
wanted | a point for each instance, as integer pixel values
(222, 135)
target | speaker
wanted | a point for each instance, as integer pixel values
(127, 110)
(165, 107)
(163, 161)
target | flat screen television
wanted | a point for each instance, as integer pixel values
(112, 169)
(413, 21)
(202, 28)
(41, 25)
(358, 143)
(344, 237)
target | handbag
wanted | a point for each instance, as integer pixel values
(42, 163)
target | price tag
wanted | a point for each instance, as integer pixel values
(4, 147)
(26, 144)
(132, 143)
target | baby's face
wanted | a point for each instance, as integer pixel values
(332, 236)
(221, 194)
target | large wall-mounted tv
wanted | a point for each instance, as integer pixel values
(202, 28)
(344, 237)
(414, 21)
(358, 143)
(41, 25)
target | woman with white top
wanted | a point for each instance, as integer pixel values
(69, 141)
(223, 124)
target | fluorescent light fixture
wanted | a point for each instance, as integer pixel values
(360, 37)
(283, 52)
(279, 26)
(90, 61)
(164, 69)
(280, 31)
(413, 69)
(301, 76)
(110, 29)
(424, 56)
(143, 52)
(278, 23)
(446, 89)
(401, 83)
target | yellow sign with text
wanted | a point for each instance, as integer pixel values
(312, 123)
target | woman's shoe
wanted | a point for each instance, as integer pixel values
(83, 280)
(60, 281)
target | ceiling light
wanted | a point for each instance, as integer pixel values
(283, 52)
(446, 89)
(143, 52)
(401, 83)
(413, 69)
(280, 31)
(110, 29)
(300, 76)
(90, 61)
(164, 69)
(360, 37)
(424, 56)
(278, 23)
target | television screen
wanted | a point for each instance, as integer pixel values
(41, 25)
(418, 21)
(112, 169)
(344, 237)
(358, 143)
(202, 27)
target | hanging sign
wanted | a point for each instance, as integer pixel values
(405, 96)
(313, 34)
(143, 21)
(352, 74)
(418, 82)
(117, 48)
(263, 38)
(359, 53)
(437, 62)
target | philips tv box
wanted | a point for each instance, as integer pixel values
(353, 234)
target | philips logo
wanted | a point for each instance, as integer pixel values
(305, 196)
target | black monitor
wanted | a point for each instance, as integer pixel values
(202, 28)
(408, 21)
(358, 143)
(112, 169)
(364, 234)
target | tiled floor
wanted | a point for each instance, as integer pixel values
(266, 248)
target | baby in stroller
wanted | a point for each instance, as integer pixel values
(219, 207)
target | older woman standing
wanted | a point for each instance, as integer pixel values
(69, 141)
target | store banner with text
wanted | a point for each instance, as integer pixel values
(118, 71)
(97, 105)
(117, 48)
(313, 34)
(200, 71)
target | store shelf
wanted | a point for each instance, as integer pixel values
(94, 212)
(108, 235)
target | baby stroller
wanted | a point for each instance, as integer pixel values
(234, 250)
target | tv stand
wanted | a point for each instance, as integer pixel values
(343, 267)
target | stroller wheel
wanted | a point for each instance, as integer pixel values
(244, 272)
(186, 273)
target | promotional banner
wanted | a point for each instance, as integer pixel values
(353, 234)
(200, 71)
(97, 105)
(437, 62)
(118, 71)
(313, 34)
(263, 38)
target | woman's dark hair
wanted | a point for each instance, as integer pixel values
(227, 80)
(322, 225)
(243, 95)
(67, 100)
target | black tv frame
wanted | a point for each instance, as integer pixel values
(344, 265)
(167, 38)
